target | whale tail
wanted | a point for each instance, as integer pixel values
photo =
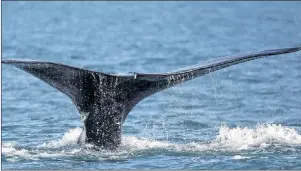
(108, 98)
(81, 84)
(78, 84)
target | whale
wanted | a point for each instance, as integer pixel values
(104, 100)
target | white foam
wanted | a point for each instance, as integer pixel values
(261, 136)
(10, 150)
(8, 147)
(228, 139)
(131, 142)
(239, 157)
(70, 137)
(14, 153)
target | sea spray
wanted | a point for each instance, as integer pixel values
(227, 140)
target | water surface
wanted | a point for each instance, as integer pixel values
(243, 117)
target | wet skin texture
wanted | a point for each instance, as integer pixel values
(104, 100)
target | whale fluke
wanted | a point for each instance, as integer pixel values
(104, 100)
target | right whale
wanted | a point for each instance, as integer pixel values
(104, 100)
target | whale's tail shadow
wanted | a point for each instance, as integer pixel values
(104, 100)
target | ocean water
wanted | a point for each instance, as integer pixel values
(246, 116)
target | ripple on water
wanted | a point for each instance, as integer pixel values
(265, 137)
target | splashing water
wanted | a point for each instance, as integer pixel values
(263, 136)
(228, 140)
(70, 137)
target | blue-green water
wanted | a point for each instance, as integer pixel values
(243, 117)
